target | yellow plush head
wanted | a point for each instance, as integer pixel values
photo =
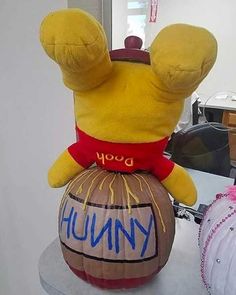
(124, 102)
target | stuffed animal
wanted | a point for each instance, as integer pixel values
(126, 111)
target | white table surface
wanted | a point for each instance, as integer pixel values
(218, 103)
(208, 185)
(180, 276)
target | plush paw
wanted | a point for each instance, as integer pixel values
(72, 38)
(77, 42)
(63, 170)
(182, 55)
(180, 186)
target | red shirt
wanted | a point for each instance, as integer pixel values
(122, 157)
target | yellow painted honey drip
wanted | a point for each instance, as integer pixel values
(71, 186)
(76, 179)
(89, 190)
(129, 194)
(140, 183)
(86, 175)
(111, 190)
(80, 189)
(102, 183)
(154, 201)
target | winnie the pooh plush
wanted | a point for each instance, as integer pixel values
(126, 111)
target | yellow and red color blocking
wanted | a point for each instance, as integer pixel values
(128, 96)
(127, 103)
(122, 157)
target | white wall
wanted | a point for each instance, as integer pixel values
(119, 23)
(100, 9)
(36, 123)
(92, 6)
(216, 15)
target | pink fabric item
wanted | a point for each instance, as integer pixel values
(232, 193)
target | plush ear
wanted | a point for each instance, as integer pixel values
(77, 42)
(182, 56)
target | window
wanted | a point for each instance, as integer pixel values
(129, 17)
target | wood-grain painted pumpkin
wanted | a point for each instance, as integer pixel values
(217, 241)
(116, 230)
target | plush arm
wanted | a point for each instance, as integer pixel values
(181, 57)
(176, 180)
(71, 162)
(181, 186)
(77, 42)
(63, 170)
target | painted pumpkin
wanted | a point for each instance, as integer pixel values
(217, 241)
(116, 230)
